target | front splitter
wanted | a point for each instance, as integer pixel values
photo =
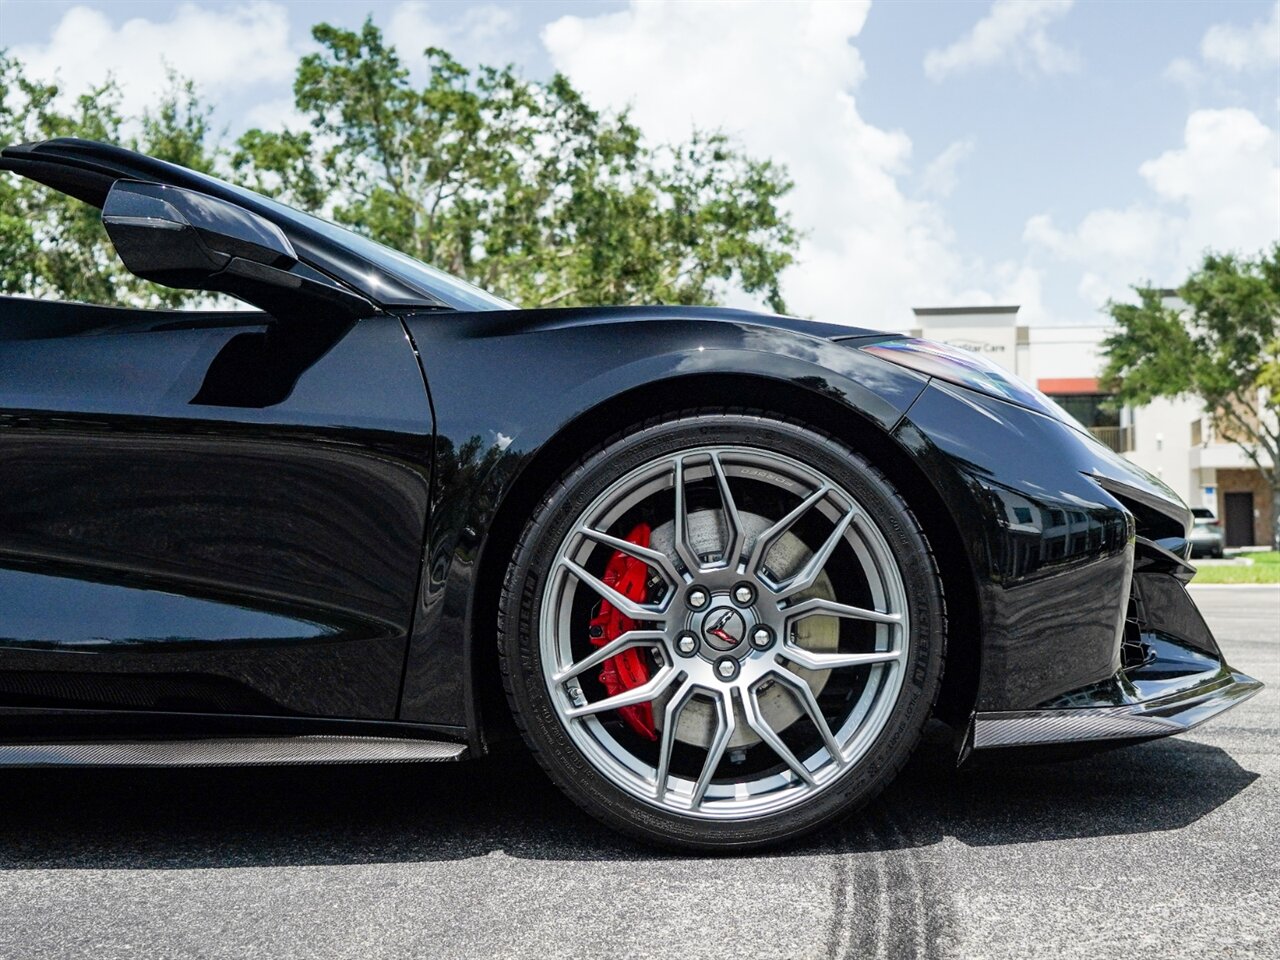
(1145, 720)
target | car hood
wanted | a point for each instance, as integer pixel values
(506, 322)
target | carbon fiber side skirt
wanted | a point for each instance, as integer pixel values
(227, 752)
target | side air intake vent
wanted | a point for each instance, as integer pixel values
(1134, 650)
(1157, 519)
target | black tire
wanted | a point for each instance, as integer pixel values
(522, 596)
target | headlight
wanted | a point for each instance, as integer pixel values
(967, 369)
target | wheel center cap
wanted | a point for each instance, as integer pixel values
(724, 629)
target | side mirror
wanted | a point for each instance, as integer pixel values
(181, 238)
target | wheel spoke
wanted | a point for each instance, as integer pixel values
(670, 717)
(756, 721)
(654, 558)
(715, 752)
(641, 694)
(767, 538)
(834, 661)
(819, 606)
(809, 703)
(808, 574)
(632, 638)
(627, 606)
(684, 549)
(735, 533)
(812, 526)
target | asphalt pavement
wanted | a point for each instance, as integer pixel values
(1169, 849)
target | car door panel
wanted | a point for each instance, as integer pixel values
(170, 545)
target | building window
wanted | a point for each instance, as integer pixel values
(1100, 413)
(1091, 409)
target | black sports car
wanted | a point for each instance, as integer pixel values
(718, 568)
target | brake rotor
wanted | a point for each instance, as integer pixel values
(697, 723)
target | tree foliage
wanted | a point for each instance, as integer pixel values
(54, 246)
(1224, 348)
(518, 186)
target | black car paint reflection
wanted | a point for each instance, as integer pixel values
(320, 506)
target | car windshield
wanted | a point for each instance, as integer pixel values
(422, 277)
(1202, 513)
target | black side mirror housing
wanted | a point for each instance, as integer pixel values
(182, 238)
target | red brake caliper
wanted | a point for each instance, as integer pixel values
(628, 669)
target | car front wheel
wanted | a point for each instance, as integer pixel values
(722, 630)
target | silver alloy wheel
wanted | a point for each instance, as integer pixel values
(742, 623)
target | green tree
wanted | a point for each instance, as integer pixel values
(520, 186)
(1224, 348)
(52, 245)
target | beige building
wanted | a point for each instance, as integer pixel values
(1170, 438)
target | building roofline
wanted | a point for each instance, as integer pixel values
(959, 311)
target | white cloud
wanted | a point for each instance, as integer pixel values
(242, 53)
(1012, 30)
(1009, 284)
(939, 177)
(1022, 285)
(1228, 51)
(1220, 189)
(1255, 47)
(1184, 72)
(223, 48)
(480, 33)
(1226, 176)
(275, 113)
(780, 77)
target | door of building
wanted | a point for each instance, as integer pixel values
(1238, 517)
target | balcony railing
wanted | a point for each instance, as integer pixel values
(1119, 439)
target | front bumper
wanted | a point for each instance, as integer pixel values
(1172, 677)
(1086, 630)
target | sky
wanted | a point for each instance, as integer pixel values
(1047, 154)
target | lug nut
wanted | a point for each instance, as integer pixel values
(727, 668)
(686, 644)
(744, 594)
(761, 637)
(697, 598)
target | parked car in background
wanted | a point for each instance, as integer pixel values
(1206, 534)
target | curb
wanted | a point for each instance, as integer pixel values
(1233, 586)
